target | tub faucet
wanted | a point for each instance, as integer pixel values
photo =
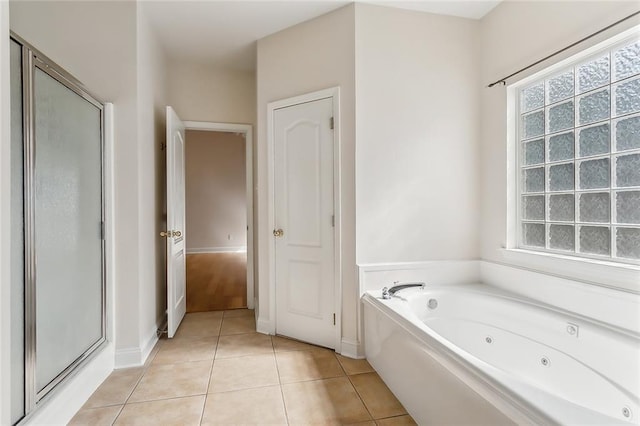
(387, 293)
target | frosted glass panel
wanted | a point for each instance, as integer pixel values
(561, 147)
(17, 238)
(594, 140)
(533, 234)
(628, 170)
(628, 207)
(561, 177)
(534, 152)
(626, 61)
(532, 97)
(594, 174)
(534, 180)
(68, 227)
(628, 242)
(533, 207)
(594, 107)
(561, 207)
(561, 237)
(533, 124)
(627, 133)
(627, 97)
(594, 207)
(560, 117)
(593, 74)
(560, 87)
(595, 240)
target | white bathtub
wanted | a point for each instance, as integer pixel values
(485, 356)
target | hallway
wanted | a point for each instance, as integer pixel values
(218, 370)
(216, 281)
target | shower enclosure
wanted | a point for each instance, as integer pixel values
(57, 232)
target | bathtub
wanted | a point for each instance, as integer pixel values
(475, 354)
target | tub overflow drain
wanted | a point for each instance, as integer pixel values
(626, 411)
(488, 339)
(544, 361)
(432, 304)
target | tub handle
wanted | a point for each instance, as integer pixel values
(385, 293)
(388, 292)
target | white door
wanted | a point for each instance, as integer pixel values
(304, 232)
(176, 245)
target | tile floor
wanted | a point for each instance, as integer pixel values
(218, 370)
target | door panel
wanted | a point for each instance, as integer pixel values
(302, 184)
(176, 245)
(304, 208)
(68, 223)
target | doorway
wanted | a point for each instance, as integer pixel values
(218, 202)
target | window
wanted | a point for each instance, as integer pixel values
(579, 157)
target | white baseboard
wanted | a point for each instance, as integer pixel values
(152, 340)
(60, 407)
(264, 326)
(136, 356)
(234, 249)
(352, 349)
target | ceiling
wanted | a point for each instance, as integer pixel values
(223, 33)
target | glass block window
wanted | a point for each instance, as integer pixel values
(579, 157)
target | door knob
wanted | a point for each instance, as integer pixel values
(169, 234)
(278, 232)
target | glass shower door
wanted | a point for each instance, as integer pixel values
(67, 225)
(57, 233)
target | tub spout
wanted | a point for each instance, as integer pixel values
(387, 293)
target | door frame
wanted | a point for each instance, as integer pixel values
(334, 94)
(247, 131)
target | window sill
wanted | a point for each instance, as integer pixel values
(607, 274)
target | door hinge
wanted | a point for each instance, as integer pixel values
(331, 123)
(102, 231)
(334, 319)
(333, 220)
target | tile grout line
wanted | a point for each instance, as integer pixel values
(117, 415)
(126, 401)
(275, 358)
(171, 398)
(149, 363)
(146, 367)
(361, 399)
(355, 389)
(213, 361)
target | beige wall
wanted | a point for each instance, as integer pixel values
(511, 38)
(201, 93)
(215, 191)
(79, 37)
(151, 92)
(417, 125)
(125, 67)
(314, 55)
